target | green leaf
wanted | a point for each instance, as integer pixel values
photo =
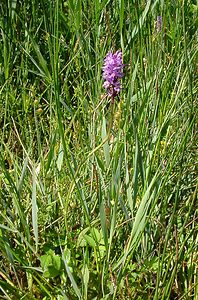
(57, 262)
(90, 240)
(95, 234)
(59, 161)
(34, 208)
(51, 272)
(106, 147)
(85, 276)
(46, 260)
(103, 221)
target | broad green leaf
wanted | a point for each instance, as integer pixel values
(90, 240)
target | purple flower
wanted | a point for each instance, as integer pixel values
(159, 23)
(112, 72)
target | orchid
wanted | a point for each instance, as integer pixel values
(112, 73)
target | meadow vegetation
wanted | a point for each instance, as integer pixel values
(98, 200)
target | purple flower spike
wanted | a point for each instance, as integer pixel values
(159, 23)
(112, 72)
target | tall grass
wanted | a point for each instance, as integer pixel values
(98, 200)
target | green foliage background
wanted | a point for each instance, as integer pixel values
(98, 200)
